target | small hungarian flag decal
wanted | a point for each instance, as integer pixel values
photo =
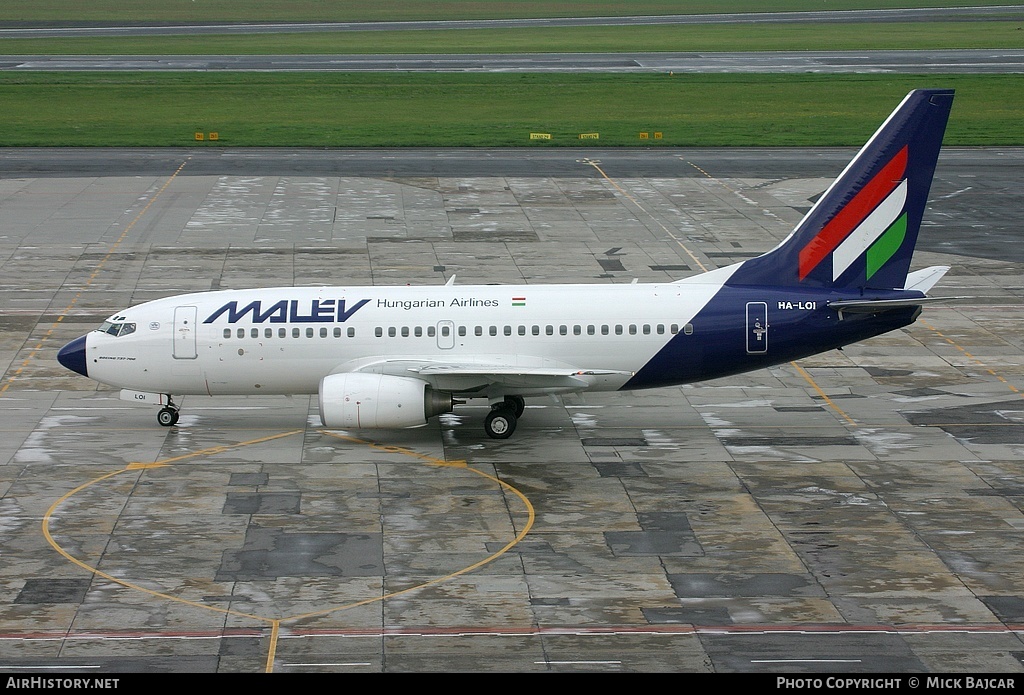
(518, 301)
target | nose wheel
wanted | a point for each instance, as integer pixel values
(168, 415)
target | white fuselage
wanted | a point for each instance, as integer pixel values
(285, 340)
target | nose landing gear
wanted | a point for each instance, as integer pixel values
(168, 415)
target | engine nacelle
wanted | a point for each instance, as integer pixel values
(363, 401)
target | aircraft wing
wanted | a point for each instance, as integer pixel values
(467, 377)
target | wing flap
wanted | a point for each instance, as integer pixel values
(509, 371)
(472, 377)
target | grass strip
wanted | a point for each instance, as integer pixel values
(108, 12)
(492, 110)
(713, 37)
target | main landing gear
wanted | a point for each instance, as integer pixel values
(500, 423)
(168, 415)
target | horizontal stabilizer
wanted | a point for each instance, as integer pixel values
(918, 281)
(924, 280)
(868, 306)
(873, 306)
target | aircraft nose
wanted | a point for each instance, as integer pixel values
(72, 356)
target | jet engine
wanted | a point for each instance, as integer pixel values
(357, 400)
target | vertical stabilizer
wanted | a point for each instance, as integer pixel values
(862, 231)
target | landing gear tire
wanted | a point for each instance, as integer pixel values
(516, 404)
(500, 423)
(167, 416)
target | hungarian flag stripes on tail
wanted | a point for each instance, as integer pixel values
(862, 231)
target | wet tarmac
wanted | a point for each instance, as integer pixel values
(861, 511)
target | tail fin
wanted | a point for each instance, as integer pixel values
(861, 233)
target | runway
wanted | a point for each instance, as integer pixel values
(917, 14)
(953, 61)
(931, 62)
(857, 512)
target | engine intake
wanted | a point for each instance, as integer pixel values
(366, 401)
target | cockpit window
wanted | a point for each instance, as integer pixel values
(116, 329)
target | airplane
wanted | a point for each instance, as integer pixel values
(394, 357)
